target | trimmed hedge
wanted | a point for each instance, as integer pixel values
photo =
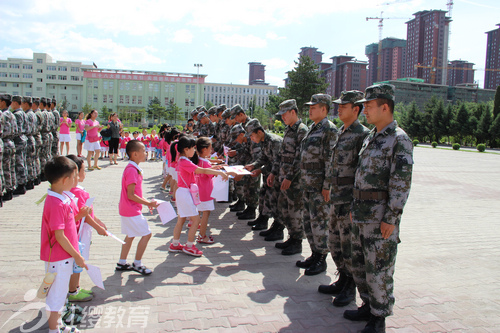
(415, 142)
(456, 146)
(481, 147)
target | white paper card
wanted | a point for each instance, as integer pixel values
(95, 275)
(166, 211)
(238, 169)
(221, 189)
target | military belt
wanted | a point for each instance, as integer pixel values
(287, 159)
(343, 180)
(369, 195)
(312, 166)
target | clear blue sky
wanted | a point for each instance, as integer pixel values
(224, 35)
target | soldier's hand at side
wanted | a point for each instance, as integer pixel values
(386, 229)
(326, 195)
(249, 167)
(285, 184)
(270, 180)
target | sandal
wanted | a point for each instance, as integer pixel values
(98, 168)
(205, 239)
(123, 267)
(73, 308)
(68, 329)
(71, 318)
(90, 169)
(142, 269)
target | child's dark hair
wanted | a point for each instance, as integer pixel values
(132, 146)
(135, 132)
(59, 167)
(78, 160)
(202, 142)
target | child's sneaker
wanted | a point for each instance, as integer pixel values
(175, 248)
(205, 239)
(80, 297)
(192, 251)
(90, 292)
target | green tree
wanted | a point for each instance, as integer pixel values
(448, 121)
(155, 111)
(495, 132)
(278, 125)
(412, 121)
(496, 103)
(461, 123)
(483, 128)
(438, 123)
(105, 113)
(64, 105)
(174, 112)
(304, 81)
(208, 104)
(87, 108)
(272, 106)
(263, 116)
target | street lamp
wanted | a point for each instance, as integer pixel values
(197, 81)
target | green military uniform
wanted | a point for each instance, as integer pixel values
(21, 142)
(55, 130)
(10, 131)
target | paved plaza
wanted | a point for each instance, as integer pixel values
(447, 275)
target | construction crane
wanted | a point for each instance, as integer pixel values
(380, 28)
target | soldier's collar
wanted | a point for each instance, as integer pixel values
(389, 128)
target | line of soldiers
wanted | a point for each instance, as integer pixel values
(345, 189)
(29, 136)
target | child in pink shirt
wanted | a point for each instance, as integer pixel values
(123, 143)
(153, 145)
(64, 126)
(134, 224)
(186, 207)
(80, 127)
(59, 237)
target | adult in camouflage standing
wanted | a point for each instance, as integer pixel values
(55, 128)
(21, 142)
(381, 187)
(343, 166)
(45, 151)
(38, 138)
(206, 127)
(1, 153)
(268, 196)
(9, 131)
(31, 143)
(286, 173)
(316, 157)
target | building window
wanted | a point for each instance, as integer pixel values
(75, 78)
(134, 86)
(166, 100)
(15, 85)
(62, 77)
(39, 70)
(3, 65)
(14, 66)
(139, 86)
(127, 85)
(3, 84)
(29, 85)
(89, 84)
(127, 99)
(111, 83)
(134, 98)
(38, 88)
(150, 87)
(104, 98)
(105, 85)
(39, 61)
(51, 68)
(150, 99)
(121, 99)
(192, 101)
(62, 69)
(27, 66)
(14, 74)
(27, 76)
(96, 84)
(110, 99)
(188, 89)
(74, 97)
(139, 99)
(95, 98)
(3, 74)
(51, 77)
(192, 89)
(187, 102)
(75, 69)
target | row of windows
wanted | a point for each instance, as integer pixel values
(236, 90)
(49, 67)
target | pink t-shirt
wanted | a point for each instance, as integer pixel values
(82, 197)
(57, 214)
(80, 125)
(204, 181)
(123, 142)
(185, 171)
(64, 129)
(154, 141)
(131, 175)
(93, 134)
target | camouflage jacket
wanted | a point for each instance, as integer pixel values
(385, 165)
(22, 124)
(243, 154)
(32, 122)
(222, 137)
(345, 160)
(207, 130)
(270, 148)
(50, 121)
(45, 121)
(57, 121)
(39, 120)
(9, 125)
(255, 148)
(316, 156)
(287, 163)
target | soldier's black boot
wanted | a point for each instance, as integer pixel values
(37, 180)
(270, 230)
(347, 295)
(360, 314)
(7, 196)
(376, 324)
(240, 205)
(306, 263)
(243, 211)
(336, 287)
(276, 235)
(234, 204)
(262, 224)
(1, 200)
(318, 266)
(249, 214)
(294, 248)
(285, 244)
(21, 189)
(256, 221)
(30, 185)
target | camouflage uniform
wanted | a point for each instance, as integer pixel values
(31, 158)
(9, 152)
(55, 131)
(381, 188)
(315, 157)
(252, 185)
(1, 155)
(46, 138)
(21, 141)
(50, 125)
(39, 142)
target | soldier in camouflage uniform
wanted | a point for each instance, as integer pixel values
(315, 158)
(344, 161)
(206, 127)
(268, 196)
(55, 128)
(21, 142)
(213, 115)
(194, 116)
(45, 152)
(1, 152)
(38, 139)
(224, 129)
(9, 128)
(31, 143)
(286, 173)
(381, 187)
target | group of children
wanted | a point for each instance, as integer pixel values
(150, 141)
(67, 221)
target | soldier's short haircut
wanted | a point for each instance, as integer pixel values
(327, 107)
(361, 106)
(389, 102)
(133, 146)
(260, 128)
(58, 168)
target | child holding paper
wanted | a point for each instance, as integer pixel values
(134, 224)
(76, 294)
(186, 207)
(59, 237)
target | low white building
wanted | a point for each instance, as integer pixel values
(232, 94)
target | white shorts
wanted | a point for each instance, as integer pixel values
(173, 172)
(86, 238)
(151, 149)
(206, 205)
(135, 226)
(64, 137)
(164, 159)
(79, 136)
(92, 146)
(104, 149)
(123, 150)
(56, 298)
(184, 202)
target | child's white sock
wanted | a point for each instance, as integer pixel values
(122, 261)
(175, 241)
(137, 263)
(54, 331)
(189, 244)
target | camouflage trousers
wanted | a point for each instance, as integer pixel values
(373, 262)
(247, 189)
(316, 215)
(30, 158)
(38, 149)
(21, 172)
(339, 238)
(45, 152)
(1, 167)
(9, 165)
(55, 143)
(268, 199)
(290, 208)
